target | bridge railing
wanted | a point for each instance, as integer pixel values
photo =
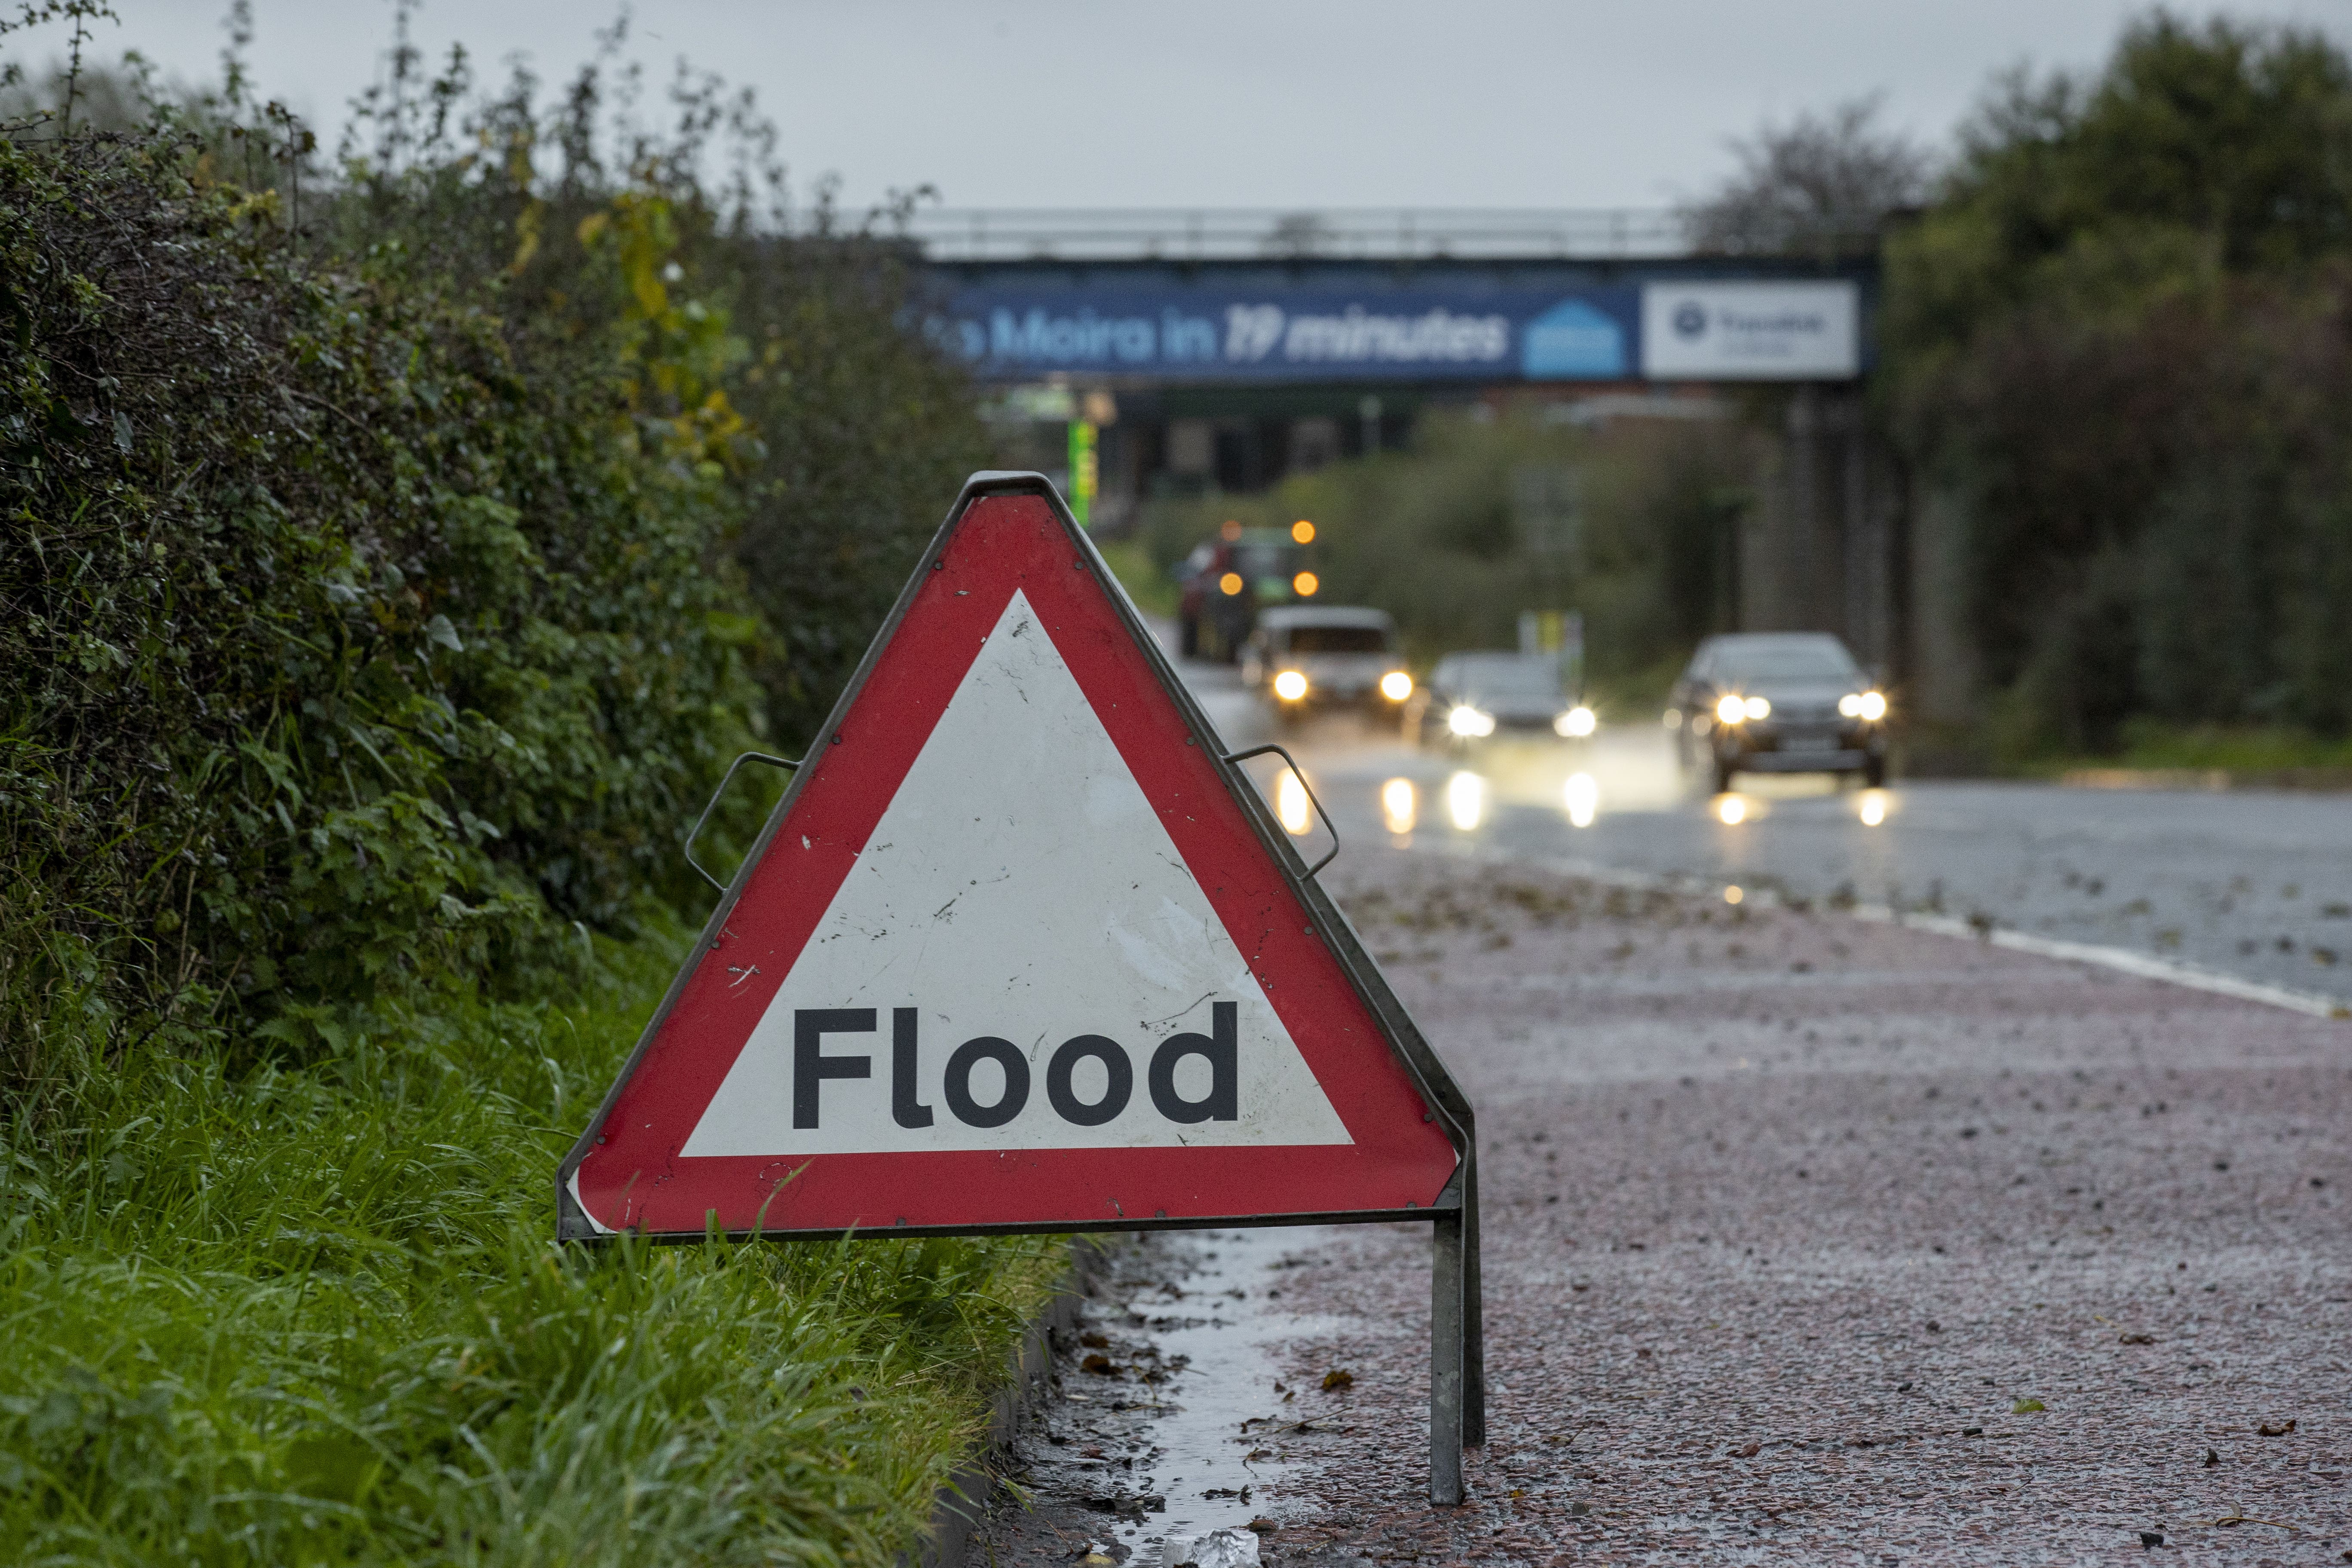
(1240, 233)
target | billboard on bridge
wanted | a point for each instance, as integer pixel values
(1703, 331)
(1750, 332)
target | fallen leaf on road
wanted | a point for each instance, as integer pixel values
(2232, 1521)
(2026, 1407)
(1263, 1525)
(2151, 1539)
(1337, 1379)
(1749, 1452)
(1094, 1341)
(2212, 1459)
(2135, 1338)
(2267, 1430)
(1100, 1365)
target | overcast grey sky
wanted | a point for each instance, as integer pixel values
(1290, 103)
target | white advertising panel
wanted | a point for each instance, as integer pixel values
(1751, 331)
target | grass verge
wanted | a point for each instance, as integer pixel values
(2236, 749)
(263, 1311)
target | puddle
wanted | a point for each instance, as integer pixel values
(1170, 1406)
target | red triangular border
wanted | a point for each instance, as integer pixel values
(628, 1172)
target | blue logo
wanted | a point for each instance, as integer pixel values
(1690, 320)
(1572, 339)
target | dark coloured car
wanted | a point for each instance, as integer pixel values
(1470, 697)
(1779, 703)
(1226, 581)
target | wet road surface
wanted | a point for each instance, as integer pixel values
(1808, 1239)
(2254, 884)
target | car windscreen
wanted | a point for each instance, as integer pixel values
(1338, 639)
(1254, 560)
(1784, 661)
(1509, 677)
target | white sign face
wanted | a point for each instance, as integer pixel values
(995, 976)
(1751, 331)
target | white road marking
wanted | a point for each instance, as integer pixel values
(2123, 960)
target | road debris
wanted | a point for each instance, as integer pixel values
(1216, 1548)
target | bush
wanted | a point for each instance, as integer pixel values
(373, 625)
(360, 638)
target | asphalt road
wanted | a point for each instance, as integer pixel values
(2253, 884)
(1806, 1241)
(1807, 1238)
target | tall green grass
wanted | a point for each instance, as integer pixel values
(255, 1311)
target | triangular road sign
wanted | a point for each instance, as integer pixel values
(1019, 949)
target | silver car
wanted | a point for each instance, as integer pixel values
(1306, 656)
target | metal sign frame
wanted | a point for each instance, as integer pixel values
(1457, 1358)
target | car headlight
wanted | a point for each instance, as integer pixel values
(1731, 711)
(1469, 724)
(1759, 709)
(1396, 686)
(1575, 723)
(1866, 705)
(1290, 686)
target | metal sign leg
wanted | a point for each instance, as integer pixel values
(1473, 1319)
(1447, 1365)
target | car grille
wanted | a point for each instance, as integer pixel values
(1802, 714)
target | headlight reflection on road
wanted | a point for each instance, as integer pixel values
(1731, 810)
(1400, 806)
(1290, 804)
(1465, 800)
(1873, 808)
(1583, 800)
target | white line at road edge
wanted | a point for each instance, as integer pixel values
(2124, 960)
